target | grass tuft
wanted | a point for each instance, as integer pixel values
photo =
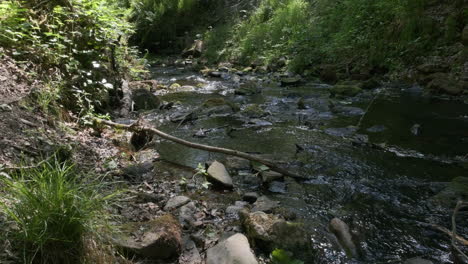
(49, 211)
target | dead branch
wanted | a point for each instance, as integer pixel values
(138, 127)
(460, 205)
(448, 232)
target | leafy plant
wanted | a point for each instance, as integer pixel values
(51, 210)
(280, 256)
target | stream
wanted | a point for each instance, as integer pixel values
(380, 177)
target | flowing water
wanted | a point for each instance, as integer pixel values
(380, 177)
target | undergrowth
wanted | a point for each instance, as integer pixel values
(350, 33)
(77, 48)
(51, 212)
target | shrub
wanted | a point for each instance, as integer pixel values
(75, 44)
(51, 211)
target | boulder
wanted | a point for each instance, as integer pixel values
(265, 204)
(144, 100)
(219, 174)
(342, 232)
(270, 231)
(233, 250)
(417, 260)
(157, 239)
(176, 202)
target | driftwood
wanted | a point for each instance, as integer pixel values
(139, 127)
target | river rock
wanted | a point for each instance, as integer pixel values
(445, 85)
(250, 197)
(187, 215)
(418, 260)
(269, 231)
(237, 163)
(233, 250)
(376, 129)
(265, 204)
(216, 74)
(345, 90)
(5, 108)
(269, 176)
(370, 84)
(342, 232)
(253, 111)
(248, 88)
(157, 239)
(176, 202)
(277, 187)
(190, 254)
(180, 116)
(291, 81)
(218, 172)
(236, 208)
(416, 129)
(144, 100)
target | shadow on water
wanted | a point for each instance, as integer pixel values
(382, 187)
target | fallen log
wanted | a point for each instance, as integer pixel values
(139, 127)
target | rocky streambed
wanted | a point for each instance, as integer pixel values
(382, 163)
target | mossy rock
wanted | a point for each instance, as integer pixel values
(457, 189)
(345, 90)
(145, 100)
(174, 86)
(216, 102)
(253, 111)
(248, 88)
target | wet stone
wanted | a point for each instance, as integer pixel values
(376, 129)
(265, 204)
(269, 176)
(277, 187)
(250, 197)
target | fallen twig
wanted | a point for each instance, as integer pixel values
(139, 127)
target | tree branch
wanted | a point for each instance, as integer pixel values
(138, 127)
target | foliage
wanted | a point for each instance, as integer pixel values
(280, 256)
(356, 33)
(51, 210)
(74, 46)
